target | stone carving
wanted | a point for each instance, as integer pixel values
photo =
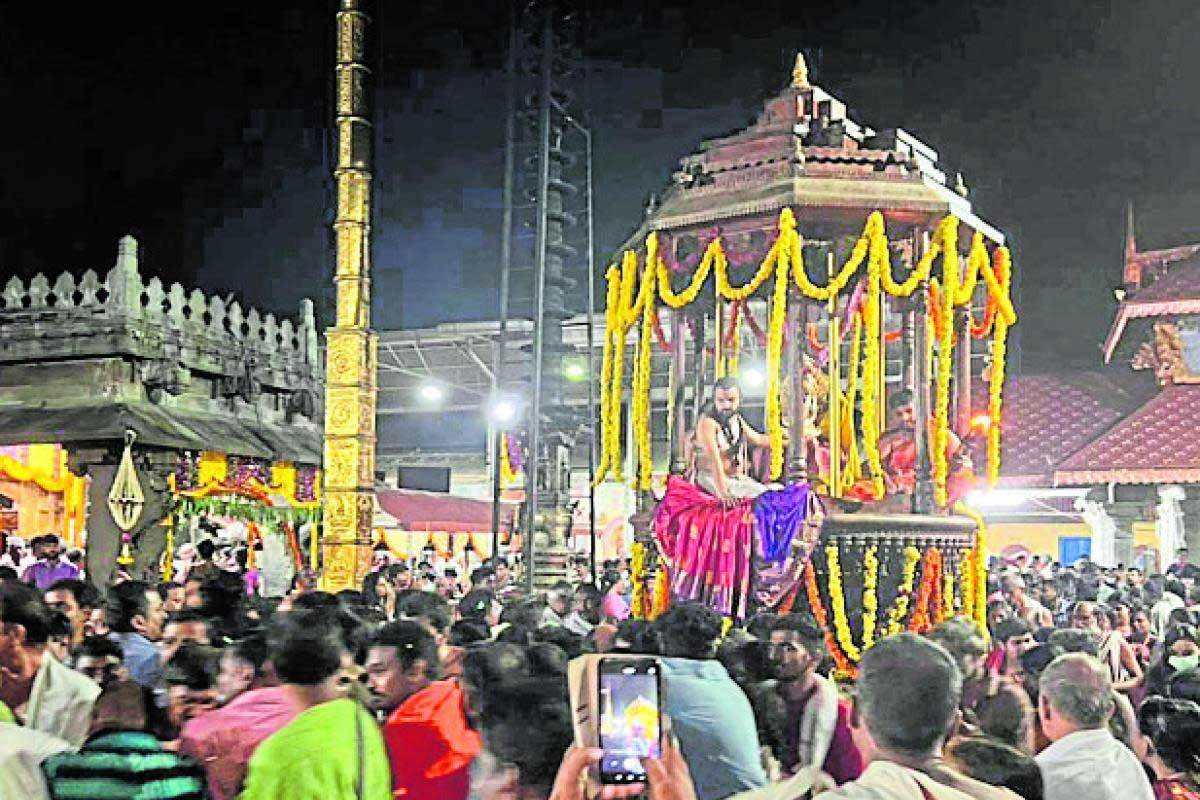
(1163, 354)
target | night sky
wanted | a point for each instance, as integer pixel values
(205, 134)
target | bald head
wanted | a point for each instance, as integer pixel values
(1077, 689)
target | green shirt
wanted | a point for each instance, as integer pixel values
(316, 757)
(123, 765)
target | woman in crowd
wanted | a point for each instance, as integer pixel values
(615, 607)
(1176, 671)
(1142, 640)
(379, 591)
(1171, 746)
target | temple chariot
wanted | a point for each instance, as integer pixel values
(839, 271)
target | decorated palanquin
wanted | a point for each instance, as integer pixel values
(873, 305)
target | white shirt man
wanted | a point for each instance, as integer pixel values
(1084, 760)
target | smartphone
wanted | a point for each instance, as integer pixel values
(630, 717)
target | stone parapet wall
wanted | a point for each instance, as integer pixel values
(125, 314)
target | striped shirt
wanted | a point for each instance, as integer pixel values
(123, 765)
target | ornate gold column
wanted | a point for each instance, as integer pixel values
(350, 367)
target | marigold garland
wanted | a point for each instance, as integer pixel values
(870, 598)
(908, 579)
(774, 410)
(837, 604)
(922, 616)
(813, 590)
(662, 592)
(699, 278)
(945, 366)
(1003, 271)
(974, 572)
(637, 575)
(765, 270)
(947, 593)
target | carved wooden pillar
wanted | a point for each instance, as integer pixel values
(796, 468)
(962, 371)
(923, 496)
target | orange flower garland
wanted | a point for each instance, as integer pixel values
(931, 573)
(844, 667)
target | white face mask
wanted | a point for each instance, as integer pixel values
(1184, 663)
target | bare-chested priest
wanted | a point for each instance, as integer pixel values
(722, 442)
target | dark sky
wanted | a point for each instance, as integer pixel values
(204, 134)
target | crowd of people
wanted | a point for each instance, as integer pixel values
(1084, 686)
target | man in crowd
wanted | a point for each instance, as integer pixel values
(76, 600)
(332, 748)
(43, 694)
(711, 716)
(135, 616)
(120, 759)
(1183, 568)
(558, 604)
(429, 740)
(49, 567)
(1166, 596)
(183, 627)
(99, 658)
(818, 732)
(252, 708)
(173, 596)
(905, 708)
(1084, 760)
(1034, 613)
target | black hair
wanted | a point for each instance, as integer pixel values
(1006, 715)
(593, 598)
(251, 649)
(164, 588)
(812, 638)
(689, 630)
(305, 647)
(1011, 627)
(99, 647)
(412, 643)
(428, 606)
(195, 666)
(475, 605)
(86, 595)
(998, 764)
(569, 642)
(205, 548)
(60, 626)
(464, 632)
(1073, 640)
(126, 600)
(548, 660)
(8, 574)
(190, 615)
(535, 750)
(1173, 726)
(641, 635)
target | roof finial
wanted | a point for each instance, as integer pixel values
(800, 73)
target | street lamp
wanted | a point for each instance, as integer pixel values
(503, 411)
(575, 370)
(431, 393)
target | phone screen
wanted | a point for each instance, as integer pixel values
(630, 718)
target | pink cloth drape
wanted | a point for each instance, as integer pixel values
(709, 547)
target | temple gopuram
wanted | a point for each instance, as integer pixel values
(135, 417)
(1106, 463)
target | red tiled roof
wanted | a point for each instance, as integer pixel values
(1175, 291)
(1181, 281)
(1046, 418)
(1158, 443)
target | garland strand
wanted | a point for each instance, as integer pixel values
(945, 366)
(870, 596)
(844, 666)
(904, 592)
(837, 602)
(641, 375)
(775, 325)
(1003, 270)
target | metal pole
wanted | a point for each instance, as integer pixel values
(496, 441)
(535, 414)
(835, 391)
(591, 346)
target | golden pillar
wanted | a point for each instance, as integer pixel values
(351, 345)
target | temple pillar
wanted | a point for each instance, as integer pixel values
(1169, 521)
(351, 360)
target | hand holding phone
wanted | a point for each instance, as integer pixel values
(630, 718)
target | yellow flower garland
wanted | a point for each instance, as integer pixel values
(947, 593)
(688, 296)
(974, 572)
(641, 376)
(908, 581)
(854, 384)
(837, 602)
(945, 366)
(999, 362)
(612, 364)
(662, 593)
(774, 410)
(870, 596)
(637, 575)
(765, 270)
